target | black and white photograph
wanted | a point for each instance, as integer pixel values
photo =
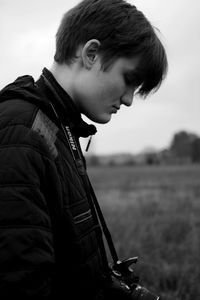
(99, 149)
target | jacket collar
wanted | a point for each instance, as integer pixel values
(64, 105)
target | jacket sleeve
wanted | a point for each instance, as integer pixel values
(28, 177)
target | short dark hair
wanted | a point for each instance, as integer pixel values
(122, 30)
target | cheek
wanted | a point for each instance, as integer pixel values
(111, 87)
(114, 90)
(86, 88)
(116, 83)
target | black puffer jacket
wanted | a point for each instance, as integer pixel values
(49, 238)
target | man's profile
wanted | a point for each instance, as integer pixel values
(51, 239)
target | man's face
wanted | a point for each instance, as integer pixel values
(99, 94)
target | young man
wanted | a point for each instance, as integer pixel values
(51, 240)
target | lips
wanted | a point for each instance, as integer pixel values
(116, 107)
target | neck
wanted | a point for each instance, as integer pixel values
(64, 75)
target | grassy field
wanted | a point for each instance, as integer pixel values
(154, 212)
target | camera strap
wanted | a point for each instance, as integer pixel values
(95, 207)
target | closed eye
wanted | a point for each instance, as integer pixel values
(132, 79)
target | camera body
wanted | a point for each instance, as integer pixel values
(126, 283)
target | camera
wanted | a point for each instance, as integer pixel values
(126, 284)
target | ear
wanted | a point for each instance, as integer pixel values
(90, 52)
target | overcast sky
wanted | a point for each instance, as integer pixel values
(27, 35)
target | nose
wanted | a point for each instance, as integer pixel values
(127, 98)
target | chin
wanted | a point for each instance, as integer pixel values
(100, 119)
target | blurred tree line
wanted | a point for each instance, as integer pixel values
(184, 148)
(186, 145)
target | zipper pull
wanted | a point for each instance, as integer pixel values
(88, 144)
